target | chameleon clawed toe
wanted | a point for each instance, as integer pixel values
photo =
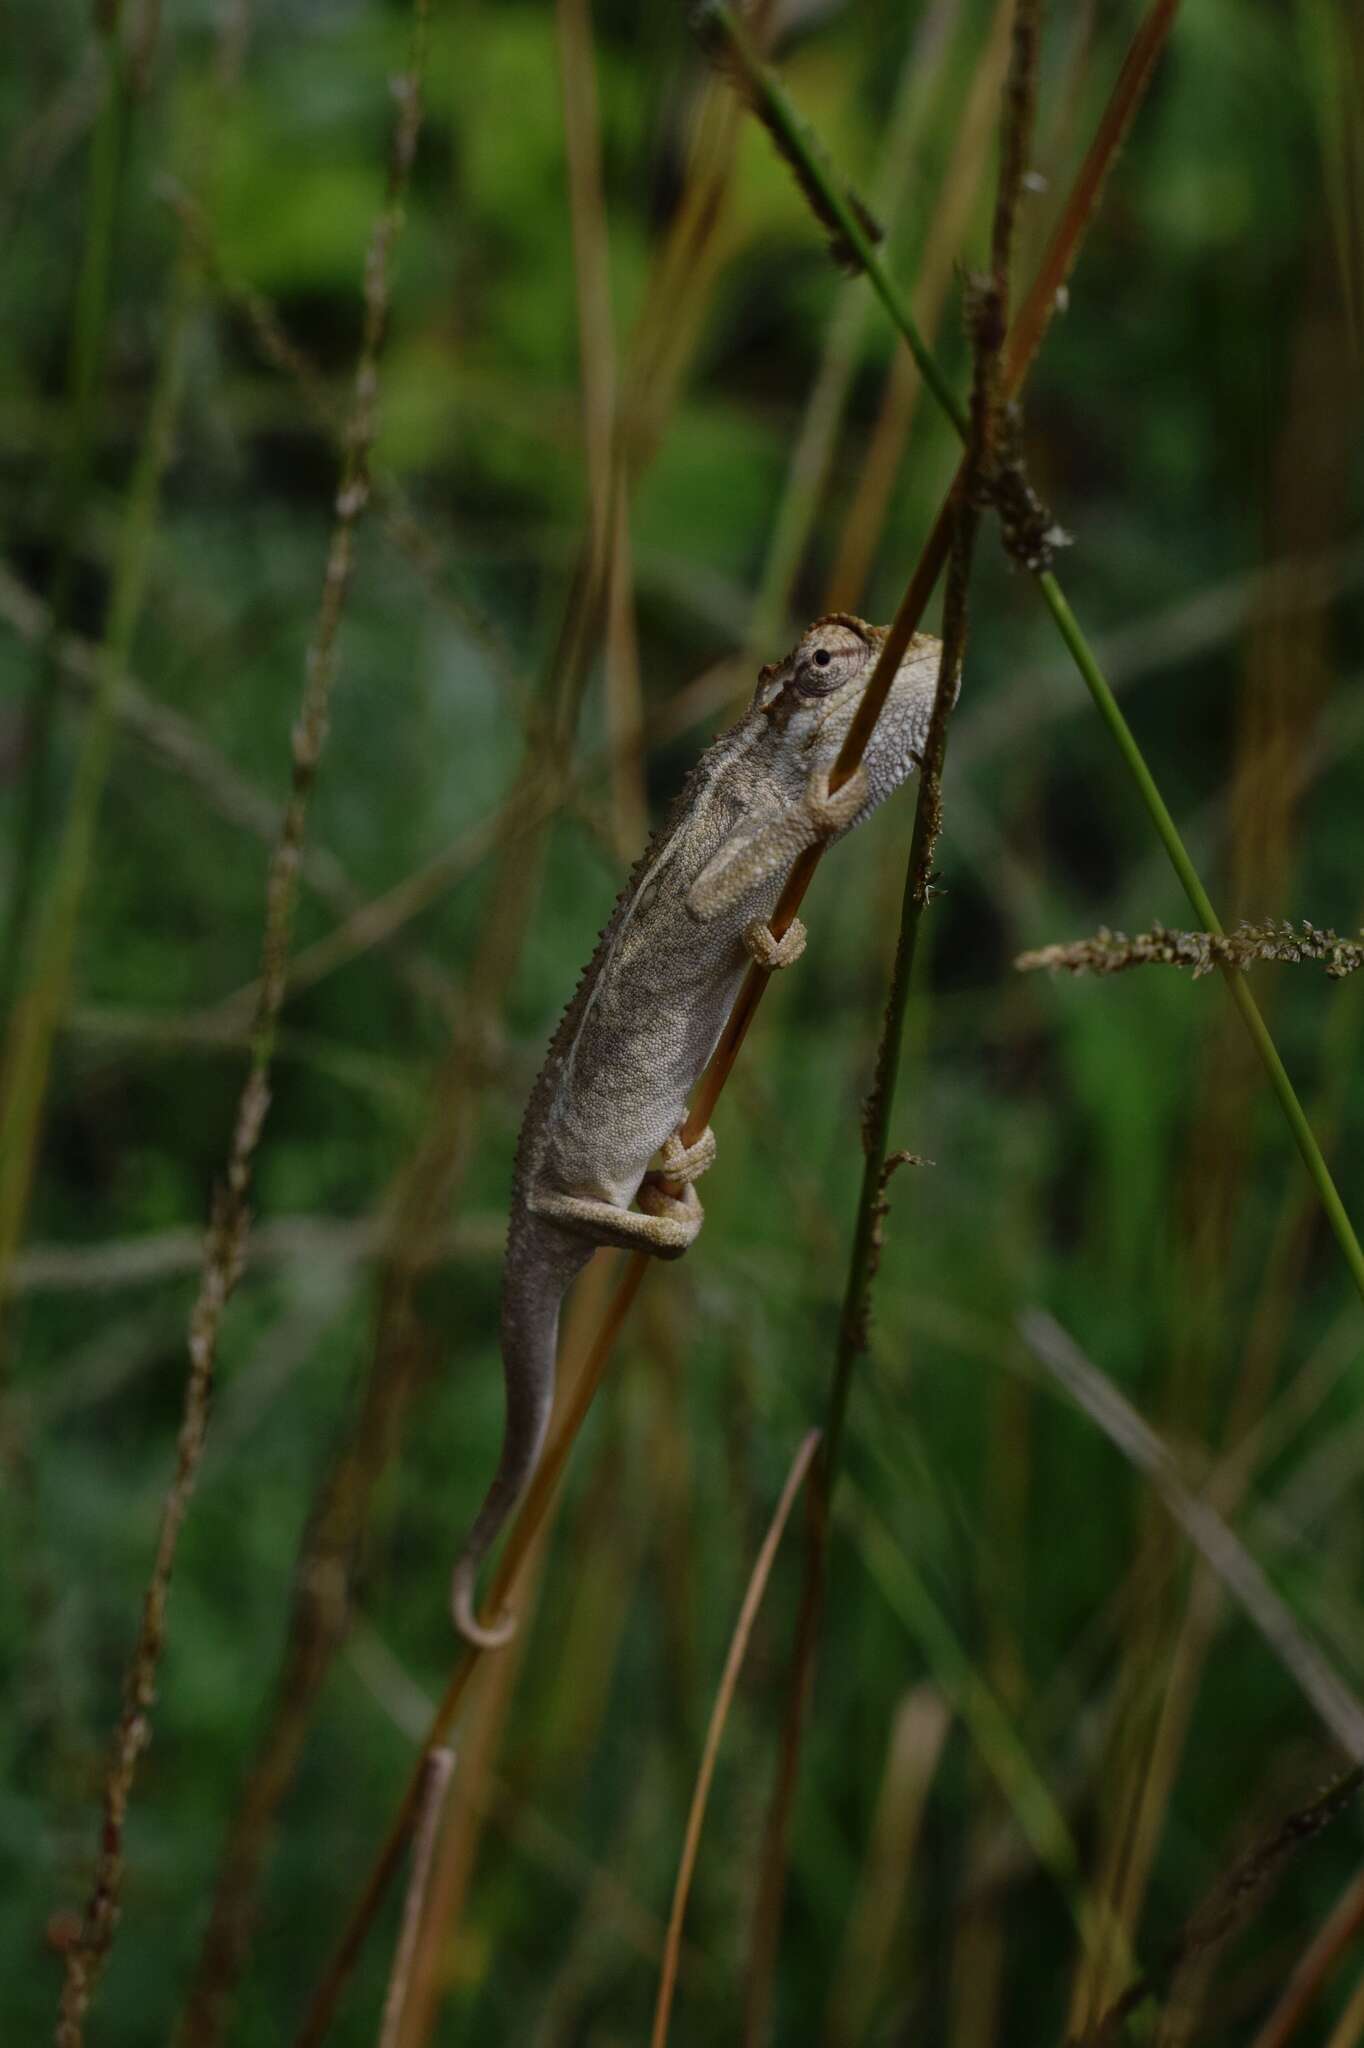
(646, 1015)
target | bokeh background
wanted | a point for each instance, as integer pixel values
(598, 505)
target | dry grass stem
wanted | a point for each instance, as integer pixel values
(922, 75)
(225, 1246)
(724, 1699)
(1348, 2031)
(1114, 952)
(437, 1766)
(162, 1254)
(609, 524)
(1086, 191)
(879, 464)
(1335, 1705)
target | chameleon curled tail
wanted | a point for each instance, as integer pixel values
(530, 1335)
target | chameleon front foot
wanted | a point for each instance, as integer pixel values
(770, 953)
(831, 812)
(686, 1163)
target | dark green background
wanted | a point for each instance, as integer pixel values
(1105, 1150)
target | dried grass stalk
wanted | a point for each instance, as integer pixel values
(1276, 939)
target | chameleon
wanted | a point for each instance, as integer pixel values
(601, 1158)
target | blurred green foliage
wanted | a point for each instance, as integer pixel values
(1107, 1150)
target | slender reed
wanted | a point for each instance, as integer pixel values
(436, 1770)
(1335, 1705)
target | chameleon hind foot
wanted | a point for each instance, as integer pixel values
(686, 1163)
(673, 1221)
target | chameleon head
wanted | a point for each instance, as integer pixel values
(789, 743)
(813, 694)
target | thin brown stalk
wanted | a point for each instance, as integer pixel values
(225, 1246)
(879, 466)
(436, 1769)
(1333, 1702)
(1082, 201)
(435, 1938)
(609, 523)
(921, 78)
(402, 1351)
(1328, 1947)
(1044, 296)
(1348, 2031)
(724, 1699)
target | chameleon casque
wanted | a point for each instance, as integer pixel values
(653, 999)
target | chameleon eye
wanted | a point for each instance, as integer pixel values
(818, 671)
